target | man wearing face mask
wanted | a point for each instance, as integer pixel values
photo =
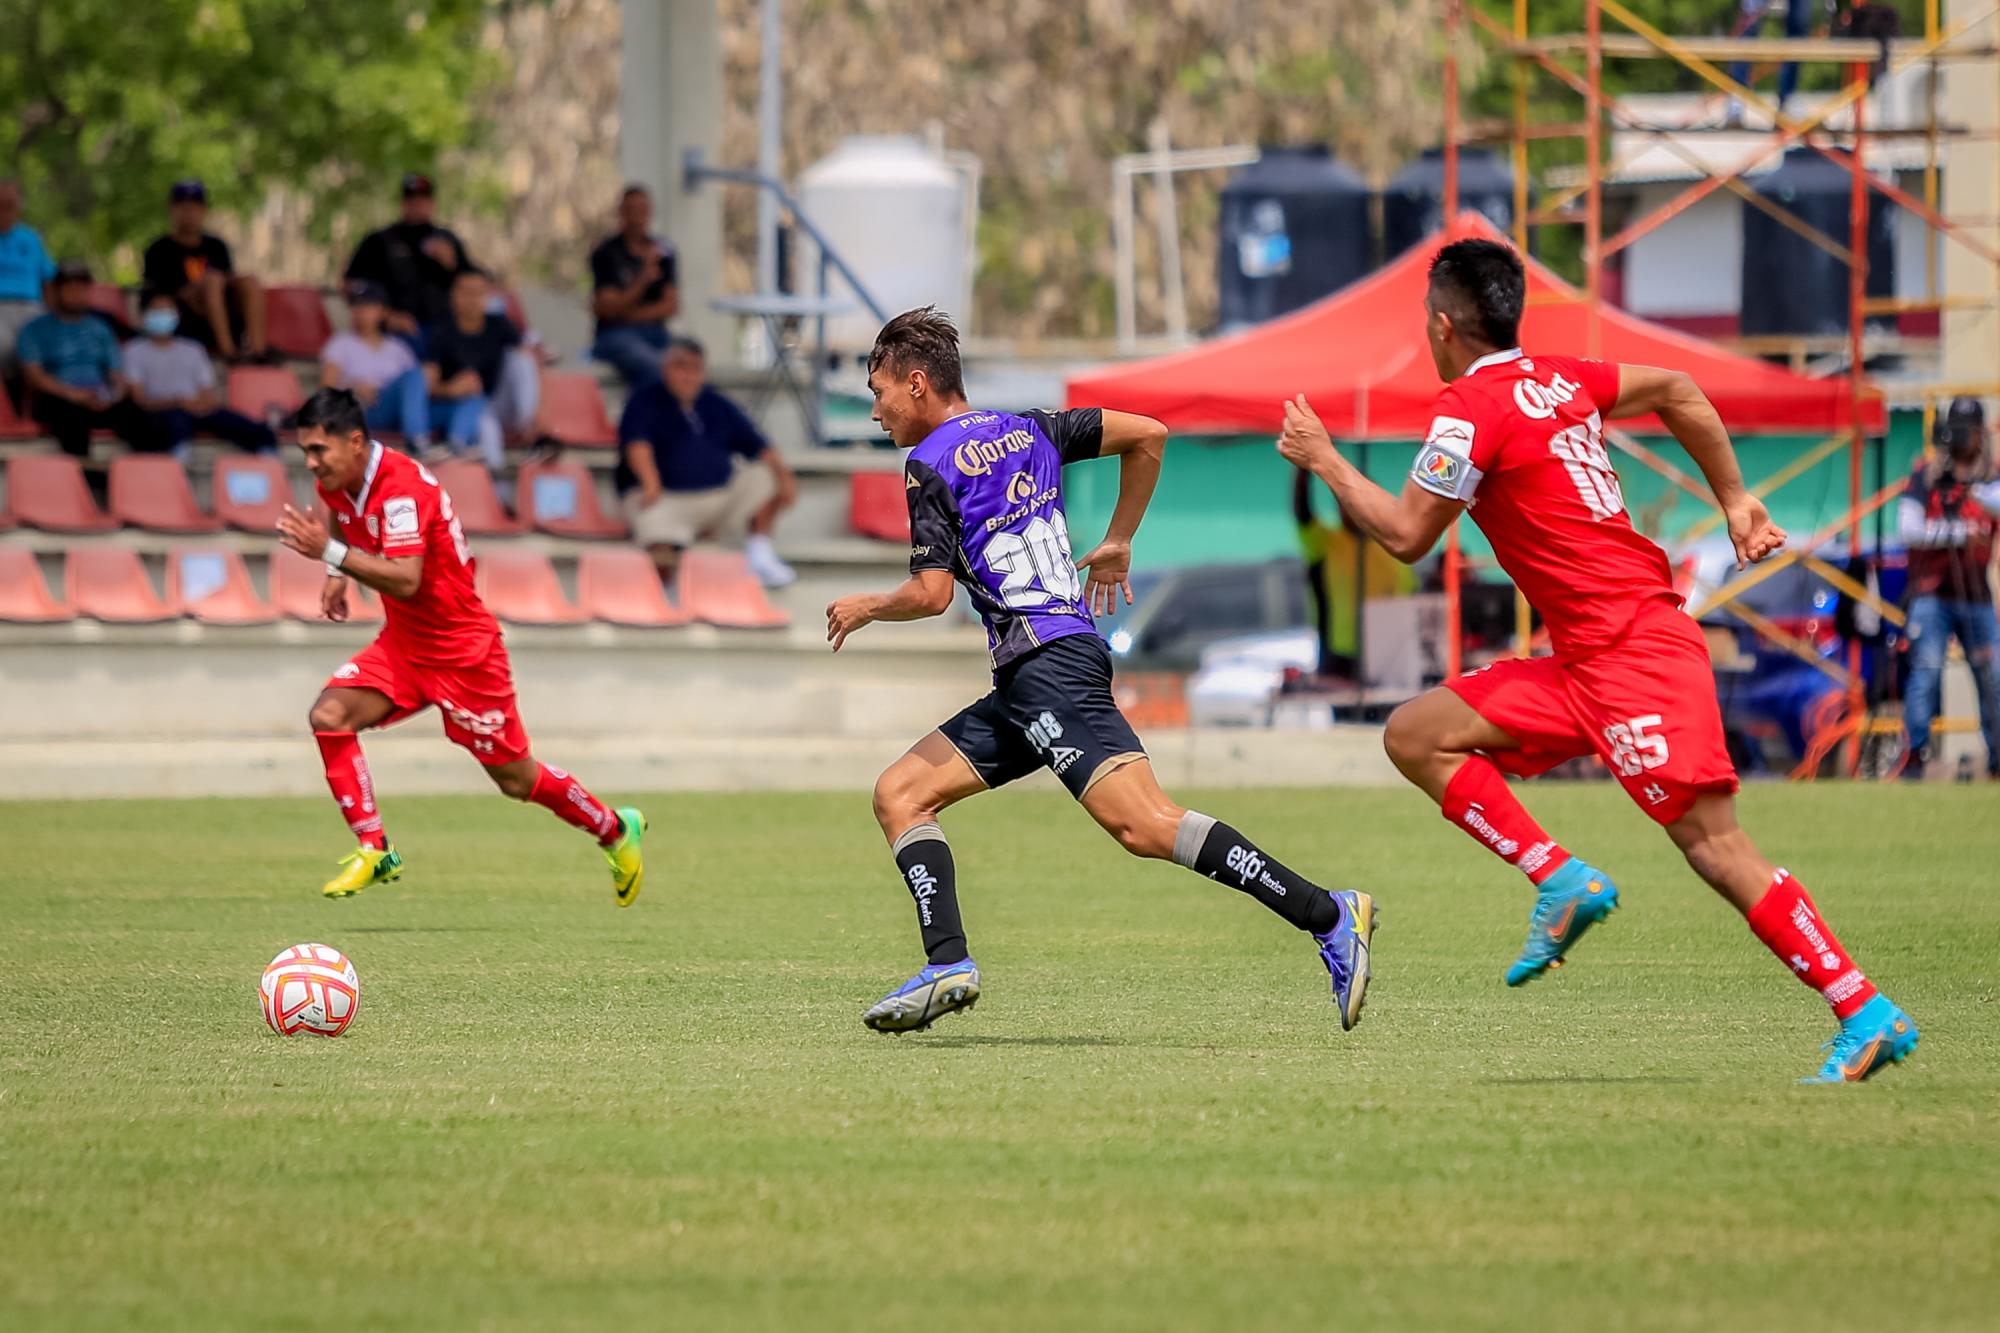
(1946, 517)
(173, 380)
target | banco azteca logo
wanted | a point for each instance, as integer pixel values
(1020, 488)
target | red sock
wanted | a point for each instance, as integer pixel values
(560, 792)
(347, 775)
(1792, 928)
(1478, 800)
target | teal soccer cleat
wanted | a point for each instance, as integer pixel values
(1571, 901)
(1876, 1035)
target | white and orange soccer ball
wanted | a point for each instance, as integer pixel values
(310, 988)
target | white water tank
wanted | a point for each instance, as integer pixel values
(895, 211)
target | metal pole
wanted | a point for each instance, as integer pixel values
(1167, 216)
(770, 140)
(1593, 209)
(1454, 559)
(1524, 620)
(1124, 262)
(1857, 301)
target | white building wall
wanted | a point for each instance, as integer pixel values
(1693, 265)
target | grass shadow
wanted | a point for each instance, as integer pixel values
(969, 1040)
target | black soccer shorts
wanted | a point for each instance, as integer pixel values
(1051, 709)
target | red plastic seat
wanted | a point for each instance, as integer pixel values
(214, 588)
(109, 299)
(621, 586)
(573, 410)
(521, 587)
(560, 498)
(250, 491)
(24, 596)
(255, 390)
(296, 583)
(295, 321)
(14, 426)
(151, 491)
(106, 582)
(877, 507)
(473, 498)
(47, 491)
(718, 587)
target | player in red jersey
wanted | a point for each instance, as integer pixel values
(440, 646)
(1518, 442)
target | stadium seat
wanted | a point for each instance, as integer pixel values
(619, 585)
(251, 491)
(109, 299)
(876, 506)
(573, 410)
(296, 322)
(13, 425)
(108, 582)
(151, 491)
(255, 390)
(474, 500)
(521, 587)
(296, 584)
(24, 595)
(214, 588)
(718, 587)
(559, 498)
(47, 491)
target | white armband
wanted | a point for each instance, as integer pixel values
(1444, 464)
(335, 556)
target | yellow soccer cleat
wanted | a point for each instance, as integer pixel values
(362, 867)
(628, 861)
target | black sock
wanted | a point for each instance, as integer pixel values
(924, 857)
(1212, 848)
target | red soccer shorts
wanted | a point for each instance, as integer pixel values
(477, 701)
(1645, 707)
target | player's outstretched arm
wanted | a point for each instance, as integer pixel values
(1680, 404)
(924, 594)
(1140, 443)
(306, 533)
(1406, 525)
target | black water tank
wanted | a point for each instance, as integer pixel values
(1413, 200)
(1791, 285)
(1294, 228)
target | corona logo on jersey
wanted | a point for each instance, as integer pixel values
(975, 458)
(1540, 401)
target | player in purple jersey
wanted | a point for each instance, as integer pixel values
(985, 496)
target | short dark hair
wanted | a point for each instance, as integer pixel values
(921, 339)
(335, 411)
(1482, 285)
(632, 189)
(680, 342)
(472, 271)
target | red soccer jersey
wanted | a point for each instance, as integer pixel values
(400, 511)
(1521, 440)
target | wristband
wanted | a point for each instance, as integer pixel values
(334, 555)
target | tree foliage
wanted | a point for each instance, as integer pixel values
(103, 103)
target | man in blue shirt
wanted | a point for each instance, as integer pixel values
(70, 361)
(691, 466)
(25, 270)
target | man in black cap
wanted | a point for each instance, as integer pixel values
(221, 309)
(414, 261)
(1946, 517)
(70, 360)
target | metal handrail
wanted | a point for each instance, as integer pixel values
(695, 171)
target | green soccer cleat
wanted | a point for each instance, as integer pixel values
(628, 861)
(362, 868)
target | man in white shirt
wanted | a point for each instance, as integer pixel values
(380, 369)
(173, 380)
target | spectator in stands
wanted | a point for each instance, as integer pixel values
(220, 308)
(692, 466)
(1749, 22)
(70, 361)
(25, 270)
(172, 378)
(381, 371)
(514, 412)
(1947, 520)
(633, 276)
(465, 358)
(414, 261)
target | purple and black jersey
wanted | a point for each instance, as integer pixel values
(985, 494)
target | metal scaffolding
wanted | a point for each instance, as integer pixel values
(1544, 56)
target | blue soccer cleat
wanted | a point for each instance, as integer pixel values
(1571, 901)
(1876, 1035)
(940, 989)
(1345, 951)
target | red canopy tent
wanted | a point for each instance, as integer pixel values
(1360, 357)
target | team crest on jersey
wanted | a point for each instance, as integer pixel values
(374, 526)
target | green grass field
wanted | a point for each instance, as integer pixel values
(555, 1114)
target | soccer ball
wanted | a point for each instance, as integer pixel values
(310, 988)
